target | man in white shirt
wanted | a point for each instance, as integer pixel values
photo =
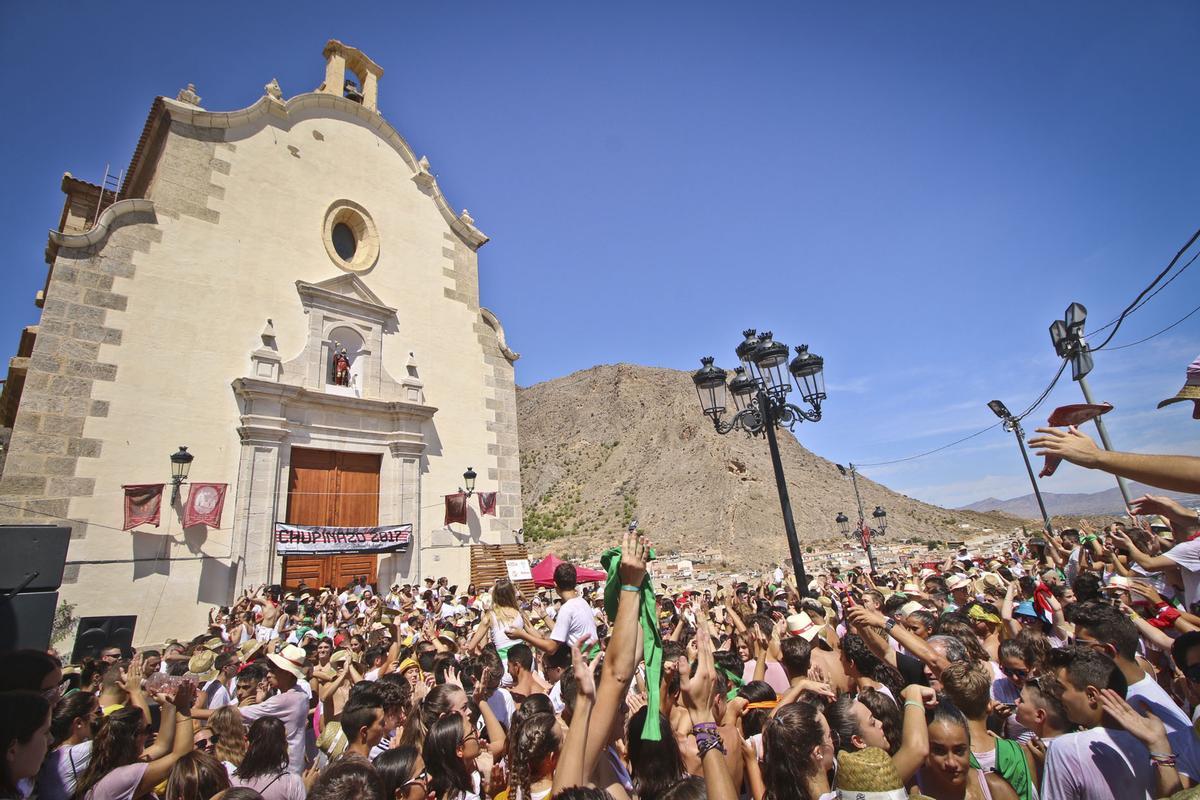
(574, 622)
(290, 706)
(1100, 761)
(1106, 630)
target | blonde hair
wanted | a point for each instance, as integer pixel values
(229, 733)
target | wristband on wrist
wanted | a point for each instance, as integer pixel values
(887, 626)
(1162, 755)
(1162, 761)
(914, 703)
(628, 587)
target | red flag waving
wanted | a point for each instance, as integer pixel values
(456, 508)
(142, 503)
(487, 503)
(204, 504)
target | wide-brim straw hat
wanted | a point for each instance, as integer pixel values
(290, 659)
(1191, 386)
(802, 625)
(201, 665)
(249, 649)
(868, 773)
(332, 741)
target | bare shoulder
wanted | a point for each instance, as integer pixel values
(999, 788)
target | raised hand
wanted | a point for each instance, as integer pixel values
(479, 692)
(634, 551)
(1070, 444)
(1176, 513)
(585, 680)
(1147, 728)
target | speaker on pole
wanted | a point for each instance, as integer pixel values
(30, 573)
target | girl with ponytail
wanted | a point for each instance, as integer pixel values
(532, 756)
(72, 725)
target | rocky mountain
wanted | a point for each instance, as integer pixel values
(620, 442)
(1080, 504)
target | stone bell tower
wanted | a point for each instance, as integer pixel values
(338, 59)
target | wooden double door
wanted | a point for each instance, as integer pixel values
(338, 489)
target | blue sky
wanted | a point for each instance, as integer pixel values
(914, 190)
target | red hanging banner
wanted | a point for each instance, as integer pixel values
(456, 508)
(487, 504)
(204, 504)
(142, 503)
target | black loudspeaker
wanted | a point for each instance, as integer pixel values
(30, 573)
(97, 633)
(26, 619)
(33, 557)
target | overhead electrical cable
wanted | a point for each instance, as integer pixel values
(1117, 323)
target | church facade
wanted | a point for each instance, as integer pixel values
(285, 291)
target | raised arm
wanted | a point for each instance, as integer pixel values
(620, 659)
(912, 643)
(1177, 473)
(176, 728)
(914, 746)
(569, 771)
(697, 693)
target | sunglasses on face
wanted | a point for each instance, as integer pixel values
(421, 777)
(204, 744)
(1012, 672)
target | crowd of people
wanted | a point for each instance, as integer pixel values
(1063, 665)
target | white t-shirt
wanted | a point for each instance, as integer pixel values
(575, 622)
(290, 708)
(61, 770)
(1147, 695)
(503, 706)
(220, 695)
(1187, 556)
(557, 703)
(1098, 764)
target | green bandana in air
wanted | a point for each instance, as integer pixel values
(652, 649)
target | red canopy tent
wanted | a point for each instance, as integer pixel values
(543, 573)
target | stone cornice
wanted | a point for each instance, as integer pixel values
(103, 223)
(271, 111)
(494, 323)
(252, 388)
(336, 300)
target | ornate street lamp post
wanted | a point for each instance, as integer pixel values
(181, 463)
(865, 533)
(759, 388)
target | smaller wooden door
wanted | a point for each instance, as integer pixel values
(336, 489)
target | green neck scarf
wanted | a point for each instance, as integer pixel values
(652, 650)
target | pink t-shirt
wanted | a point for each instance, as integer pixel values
(120, 784)
(776, 677)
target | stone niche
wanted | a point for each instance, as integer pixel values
(342, 314)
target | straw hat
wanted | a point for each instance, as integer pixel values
(868, 773)
(290, 659)
(957, 582)
(1191, 386)
(910, 607)
(201, 665)
(340, 657)
(333, 741)
(803, 626)
(406, 665)
(249, 649)
(214, 643)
